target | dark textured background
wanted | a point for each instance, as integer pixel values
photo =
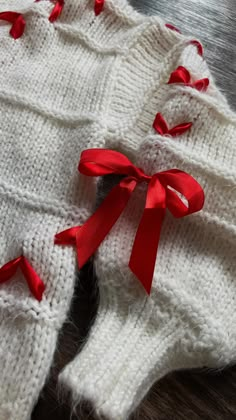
(184, 395)
(214, 22)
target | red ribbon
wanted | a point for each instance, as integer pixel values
(35, 284)
(98, 6)
(56, 11)
(160, 125)
(198, 45)
(172, 27)
(160, 196)
(17, 21)
(182, 75)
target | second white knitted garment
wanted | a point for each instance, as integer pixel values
(189, 319)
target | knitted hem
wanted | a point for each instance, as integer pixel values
(125, 354)
(26, 350)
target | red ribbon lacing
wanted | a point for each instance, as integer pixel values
(98, 6)
(160, 125)
(35, 284)
(56, 11)
(17, 21)
(194, 41)
(182, 75)
(198, 45)
(161, 195)
(172, 27)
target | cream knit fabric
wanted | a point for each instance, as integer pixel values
(64, 87)
(189, 318)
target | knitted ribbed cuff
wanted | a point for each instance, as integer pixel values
(126, 352)
(26, 351)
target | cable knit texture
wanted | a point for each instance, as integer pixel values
(188, 320)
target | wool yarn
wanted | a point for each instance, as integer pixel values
(188, 319)
(87, 81)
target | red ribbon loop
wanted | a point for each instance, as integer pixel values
(161, 195)
(17, 21)
(35, 284)
(198, 45)
(56, 11)
(160, 125)
(182, 75)
(172, 27)
(98, 6)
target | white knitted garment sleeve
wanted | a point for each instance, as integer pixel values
(188, 320)
(55, 87)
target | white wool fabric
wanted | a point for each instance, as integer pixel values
(189, 318)
(64, 87)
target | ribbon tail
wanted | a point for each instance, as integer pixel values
(34, 282)
(180, 129)
(98, 6)
(160, 124)
(17, 21)
(93, 232)
(201, 84)
(18, 27)
(9, 270)
(67, 237)
(56, 11)
(144, 252)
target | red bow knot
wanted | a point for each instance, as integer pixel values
(161, 195)
(182, 75)
(98, 6)
(160, 125)
(56, 11)
(17, 21)
(35, 284)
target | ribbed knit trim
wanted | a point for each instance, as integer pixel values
(29, 349)
(122, 358)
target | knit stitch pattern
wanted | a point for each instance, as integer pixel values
(64, 87)
(188, 320)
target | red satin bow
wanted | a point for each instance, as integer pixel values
(56, 11)
(17, 21)
(182, 75)
(98, 6)
(160, 196)
(160, 125)
(35, 284)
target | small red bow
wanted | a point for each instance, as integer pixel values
(98, 6)
(35, 284)
(17, 21)
(160, 125)
(182, 75)
(161, 195)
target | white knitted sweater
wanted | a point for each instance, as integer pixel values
(85, 82)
